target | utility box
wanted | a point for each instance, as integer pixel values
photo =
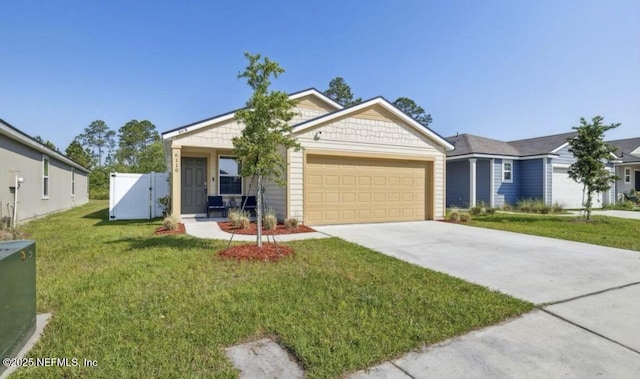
(17, 296)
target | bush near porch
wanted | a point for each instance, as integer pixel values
(166, 306)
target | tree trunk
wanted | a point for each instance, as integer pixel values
(259, 212)
(588, 204)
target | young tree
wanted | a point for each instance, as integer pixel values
(413, 110)
(591, 153)
(137, 145)
(78, 154)
(99, 139)
(266, 128)
(340, 92)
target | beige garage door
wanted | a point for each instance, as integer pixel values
(340, 190)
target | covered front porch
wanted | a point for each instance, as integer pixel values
(628, 179)
(197, 173)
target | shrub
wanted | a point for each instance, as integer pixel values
(243, 221)
(454, 216)
(465, 216)
(170, 223)
(269, 219)
(165, 204)
(291, 223)
(475, 211)
(556, 208)
(239, 219)
(491, 211)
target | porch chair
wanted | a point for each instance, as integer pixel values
(215, 204)
(250, 204)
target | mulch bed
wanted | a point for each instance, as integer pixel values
(268, 252)
(252, 229)
(161, 230)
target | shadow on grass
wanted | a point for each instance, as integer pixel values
(103, 216)
(179, 242)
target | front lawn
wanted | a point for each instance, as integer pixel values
(606, 231)
(147, 306)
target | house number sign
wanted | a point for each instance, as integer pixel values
(176, 163)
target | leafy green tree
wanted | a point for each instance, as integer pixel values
(138, 147)
(340, 92)
(99, 139)
(266, 128)
(46, 143)
(591, 152)
(78, 154)
(152, 158)
(413, 110)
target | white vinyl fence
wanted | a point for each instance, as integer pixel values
(135, 196)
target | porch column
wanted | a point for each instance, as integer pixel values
(176, 181)
(472, 182)
(492, 183)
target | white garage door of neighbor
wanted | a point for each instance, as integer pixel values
(343, 190)
(568, 193)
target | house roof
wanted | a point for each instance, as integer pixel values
(380, 101)
(628, 150)
(16, 134)
(469, 144)
(230, 115)
(339, 111)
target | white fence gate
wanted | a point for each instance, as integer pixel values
(135, 196)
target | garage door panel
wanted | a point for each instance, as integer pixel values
(369, 190)
(567, 192)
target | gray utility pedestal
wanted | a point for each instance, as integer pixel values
(17, 296)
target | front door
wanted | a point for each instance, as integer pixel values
(194, 185)
(637, 180)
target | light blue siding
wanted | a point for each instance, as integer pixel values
(458, 184)
(483, 181)
(507, 193)
(531, 179)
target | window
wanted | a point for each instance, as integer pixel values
(627, 175)
(45, 177)
(507, 171)
(229, 178)
(73, 181)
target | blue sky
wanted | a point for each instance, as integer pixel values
(505, 69)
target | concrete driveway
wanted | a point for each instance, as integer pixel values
(588, 300)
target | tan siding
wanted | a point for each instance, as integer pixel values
(218, 135)
(275, 196)
(311, 102)
(295, 185)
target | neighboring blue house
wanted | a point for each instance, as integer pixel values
(497, 173)
(627, 165)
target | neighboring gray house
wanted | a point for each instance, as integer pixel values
(497, 173)
(627, 165)
(35, 180)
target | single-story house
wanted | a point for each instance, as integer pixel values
(496, 173)
(627, 165)
(36, 180)
(366, 163)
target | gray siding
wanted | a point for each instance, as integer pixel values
(458, 184)
(16, 157)
(621, 186)
(564, 157)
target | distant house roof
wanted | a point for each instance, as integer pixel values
(16, 134)
(627, 150)
(469, 144)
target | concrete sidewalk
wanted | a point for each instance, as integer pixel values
(633, 215)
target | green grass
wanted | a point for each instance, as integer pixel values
(604, 231)
(146, 306)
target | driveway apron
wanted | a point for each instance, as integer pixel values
(588, 300)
